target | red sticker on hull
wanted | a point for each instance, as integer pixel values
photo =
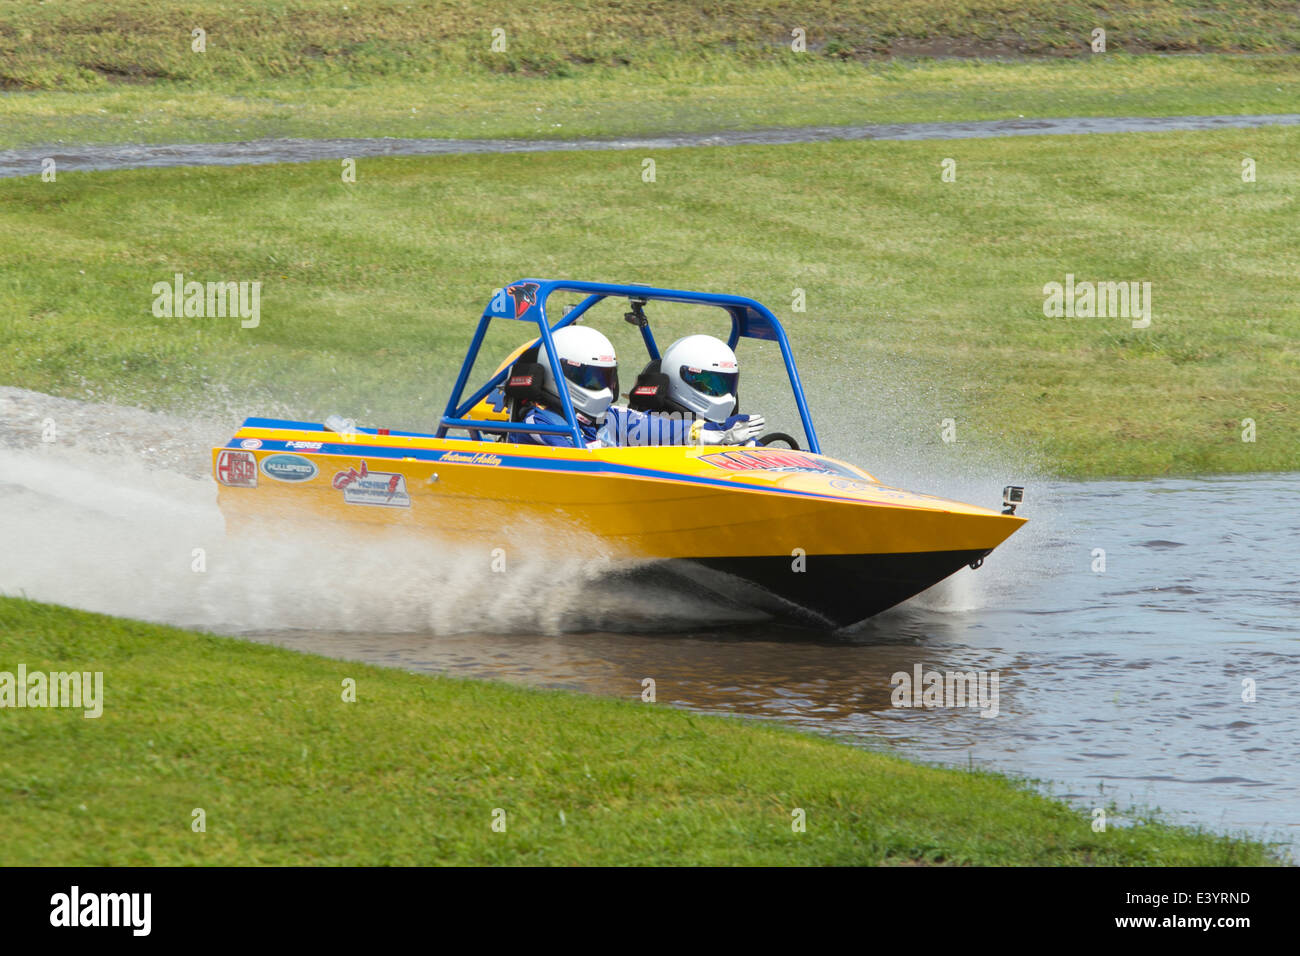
(238, 469)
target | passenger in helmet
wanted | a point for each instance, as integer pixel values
(699, 401)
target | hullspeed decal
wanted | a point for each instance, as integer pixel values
(761, 459)
(361, 486)
(288, 468)
(238, 469)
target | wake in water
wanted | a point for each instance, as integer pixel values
(118, 514)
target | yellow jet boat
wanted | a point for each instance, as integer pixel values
(821, 536)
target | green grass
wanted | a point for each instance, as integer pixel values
(311, 69)
(686, 97)
(78, 45)
(410, 774)
(912, 284)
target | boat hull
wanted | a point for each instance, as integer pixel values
(816, 532)
(846, 588)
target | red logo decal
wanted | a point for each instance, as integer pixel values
(237, 469)
(525, 296)
(344, 478)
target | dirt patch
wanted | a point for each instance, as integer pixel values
(13, 83)
(947, 48)
(134, 75)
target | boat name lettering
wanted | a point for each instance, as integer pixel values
(478, 458)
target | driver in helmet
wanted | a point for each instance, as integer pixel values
(590, 370)
(702, 375)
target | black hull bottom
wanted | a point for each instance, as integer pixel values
(846, 588)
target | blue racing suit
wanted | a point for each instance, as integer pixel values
(622, 427)
(544, 416)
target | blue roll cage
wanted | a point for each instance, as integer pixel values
(525, 300)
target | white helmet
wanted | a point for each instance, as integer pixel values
(590, 370)
(702, 376)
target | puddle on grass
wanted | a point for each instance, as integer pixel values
(27, 161)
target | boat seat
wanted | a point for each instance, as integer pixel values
(650, 391)
(523, 385)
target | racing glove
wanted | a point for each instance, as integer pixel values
(737, 430)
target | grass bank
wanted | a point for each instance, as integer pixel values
(317, 69)
(912, 284)
(287, 772)
(80, 45)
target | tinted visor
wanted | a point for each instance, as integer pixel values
(592, 377)
(715, 384)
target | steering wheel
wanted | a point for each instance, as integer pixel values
(778, 436)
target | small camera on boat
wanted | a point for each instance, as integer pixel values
(1012, 495)
(637, 316)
